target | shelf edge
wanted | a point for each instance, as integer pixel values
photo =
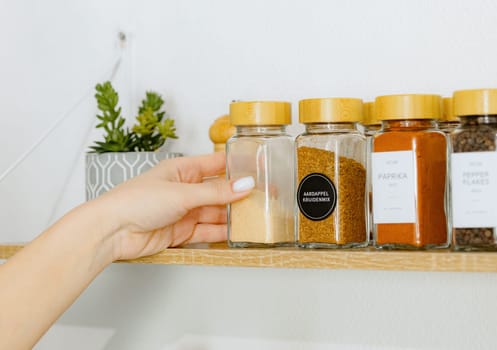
(366, 259)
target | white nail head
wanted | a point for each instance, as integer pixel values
(243, 184)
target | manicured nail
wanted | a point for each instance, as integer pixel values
(243, 184)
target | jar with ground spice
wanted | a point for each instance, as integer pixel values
(474, 170)
(261, 148)
(331, 175)
(409, 174)
(448, 122)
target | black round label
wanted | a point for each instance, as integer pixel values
(316, 196)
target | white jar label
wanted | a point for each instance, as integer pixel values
(394, 187)
(473, 182)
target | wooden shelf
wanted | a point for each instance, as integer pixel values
(362, 259)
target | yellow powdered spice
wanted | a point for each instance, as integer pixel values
(261, 218)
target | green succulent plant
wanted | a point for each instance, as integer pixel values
(149, 133)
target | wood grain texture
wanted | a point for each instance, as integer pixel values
(359, 259)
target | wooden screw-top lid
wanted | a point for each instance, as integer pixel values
(475, 102)
(330, 110)
(369, 116)
(448, 110)
(250, 113)
(408, 106)
(220, 131)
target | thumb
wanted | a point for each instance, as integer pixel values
(217, 192)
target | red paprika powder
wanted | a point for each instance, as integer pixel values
(409, 174)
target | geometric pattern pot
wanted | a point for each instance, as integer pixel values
(106, 170)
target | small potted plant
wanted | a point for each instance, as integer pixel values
(126, 152)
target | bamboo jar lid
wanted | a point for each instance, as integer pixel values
(369, 116)
(475, 102)
(448, 110)
(330, 110)
(260, 113)
(408, 106)
(220, 131)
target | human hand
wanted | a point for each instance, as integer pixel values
(170, 205)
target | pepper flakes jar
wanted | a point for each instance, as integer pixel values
(331, 174)
(474, 170)
(261, 148)
(409, 174)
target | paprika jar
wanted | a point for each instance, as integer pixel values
(409, 174)
(474, 170)
(331, 174)
(261, 148)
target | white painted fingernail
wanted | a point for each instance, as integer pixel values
(243, 184)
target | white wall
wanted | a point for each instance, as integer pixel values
(200, 55)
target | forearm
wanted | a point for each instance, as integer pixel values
(71, 253)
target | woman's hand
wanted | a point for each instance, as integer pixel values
(170, 205)
(167, 206)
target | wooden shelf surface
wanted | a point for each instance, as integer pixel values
(357, 259)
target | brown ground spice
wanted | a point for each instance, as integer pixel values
(347, 224)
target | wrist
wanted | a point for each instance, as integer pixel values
(99, 226)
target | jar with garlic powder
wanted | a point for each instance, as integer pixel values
(331, 175)
(261, 148)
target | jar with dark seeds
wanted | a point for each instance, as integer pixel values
(477, 133)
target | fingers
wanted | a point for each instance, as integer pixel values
(216, 192)
(193, 169)
(212, 215)
(208, 233)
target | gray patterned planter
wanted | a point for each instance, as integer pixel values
(106, 170)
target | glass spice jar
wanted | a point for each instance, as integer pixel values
(261, 148)
(474, 170)
(448, 122)
(371, 125)
(409, 174)
(331, 174)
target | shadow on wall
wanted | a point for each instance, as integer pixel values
(121, 299)
(79, 338)
(196, 342)
(156, 307)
